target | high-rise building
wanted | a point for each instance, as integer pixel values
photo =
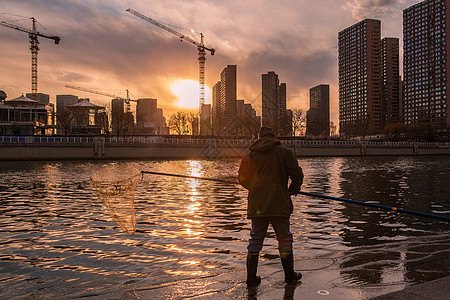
(229, 116)
(318, 115)
(228, 94)
(274, 104)
(205, 119)
(216, 100)
(390, 77)
(360, 79)
(215, 109)
(117, 116)
(426, 63)
(146, 115)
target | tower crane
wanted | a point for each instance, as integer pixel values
(33, 35)
(126, 100)
(200, 47)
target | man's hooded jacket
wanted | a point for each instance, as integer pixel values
(265, 172)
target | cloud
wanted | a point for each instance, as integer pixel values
(362, 9)
(104, 47)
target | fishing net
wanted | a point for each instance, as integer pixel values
(116, 187)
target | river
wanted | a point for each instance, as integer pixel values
(58, 240)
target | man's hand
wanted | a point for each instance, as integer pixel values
(294, 189)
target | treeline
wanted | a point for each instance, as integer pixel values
(415, 132)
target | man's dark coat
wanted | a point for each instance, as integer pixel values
(265, 172)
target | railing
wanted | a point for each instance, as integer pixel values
(46, 139)
(206, 141)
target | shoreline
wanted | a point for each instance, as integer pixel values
(188, 147)
(101, 148)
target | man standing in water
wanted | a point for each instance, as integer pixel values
(265, 172)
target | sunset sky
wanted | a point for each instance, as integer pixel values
(103, 47)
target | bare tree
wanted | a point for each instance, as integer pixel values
(362, 125)
(101, 119)
(64, 119)
(181, 122)
(298, 121)
(333, 129)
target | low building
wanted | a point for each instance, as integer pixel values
(23, 116)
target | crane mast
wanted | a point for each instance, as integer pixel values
(200, 47)
(34, 47)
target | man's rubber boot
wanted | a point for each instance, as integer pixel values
(252, 267)
(287, 260)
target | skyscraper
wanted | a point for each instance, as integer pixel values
(426, 63)
(274, 104)
(318, 116)
(230, 117)
(215, 110)
(228, 95)
(390, 76)
(360, 79)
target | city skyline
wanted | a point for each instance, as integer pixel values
(103, 47)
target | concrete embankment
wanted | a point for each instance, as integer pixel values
(100, 148)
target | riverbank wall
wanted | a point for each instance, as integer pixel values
(102, 148)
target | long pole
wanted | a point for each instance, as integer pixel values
(389, 208)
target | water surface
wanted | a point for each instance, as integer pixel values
(57, 238)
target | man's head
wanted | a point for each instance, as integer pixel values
(266, 131)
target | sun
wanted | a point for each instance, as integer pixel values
(187, 91)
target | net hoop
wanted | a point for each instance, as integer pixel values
(116, 187)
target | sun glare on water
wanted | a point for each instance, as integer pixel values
(187, 92)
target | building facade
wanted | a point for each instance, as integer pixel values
(426, 63)
(206, 119)
(22, 116)
(229, 116)
(122, 122)
(318, 115)
(65, 100)
(274, 104)
(360, 83)
(146, 116)
(228, 96)
(215, 109)
(390, 77)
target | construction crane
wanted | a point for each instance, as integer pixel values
(33, 35)
(200, 47)
(126, 100)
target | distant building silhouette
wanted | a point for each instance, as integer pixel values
(274, 104)
(122, 122)
(318, 115)
(149, 119)
(65, 100)
(228, 94)
(206, 119)
(231, 117)
(426, 63)
(41, 98)
(215, 109)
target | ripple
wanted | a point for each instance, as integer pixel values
(55, 232)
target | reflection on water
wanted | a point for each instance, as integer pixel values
(56, 238)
